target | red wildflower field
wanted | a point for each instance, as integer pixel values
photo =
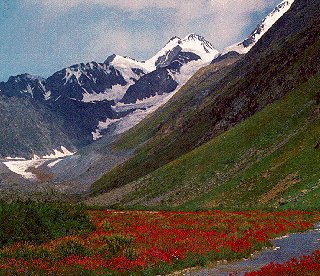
(307, 265)
(151, 243)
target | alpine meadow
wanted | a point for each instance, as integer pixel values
(194, 161)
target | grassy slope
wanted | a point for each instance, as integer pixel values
(268, 160)
(211, 104)
(183, 101)
(201, 81)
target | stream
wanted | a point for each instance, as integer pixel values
(284, 248)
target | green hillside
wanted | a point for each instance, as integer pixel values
(220, 98)
(270, 160)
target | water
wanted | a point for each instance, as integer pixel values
(285, 248)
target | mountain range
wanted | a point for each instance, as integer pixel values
(175, 130)
(77, 105)
(242, 133)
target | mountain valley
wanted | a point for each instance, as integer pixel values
(196, 161)
(126, 125)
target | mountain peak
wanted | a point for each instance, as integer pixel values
(24, 85)
(193, 43)
(198, 38)
(110, 58)
(26, 76)
(199, 45)
(174, 38)
(194, 36)
(245, 46)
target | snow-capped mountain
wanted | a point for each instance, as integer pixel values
(167, 67)
(86, 101)
(115, 79)
(191, 43)
(92, 99)
(168, 70)
(245, 46)
(95, 81)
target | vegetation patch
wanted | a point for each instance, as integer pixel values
(270, 160)
(38, 223)
(153, 243)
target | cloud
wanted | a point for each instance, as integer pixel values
(122, 4)
(221, 21)
(186, 9)
(118, 41)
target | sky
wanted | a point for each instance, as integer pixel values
(41, 37)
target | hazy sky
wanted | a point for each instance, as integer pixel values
(43, 36)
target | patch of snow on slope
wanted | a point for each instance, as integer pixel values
(15, 158)
(29, 90)
(140, 110)
(22, 167)
(52, 164)
(187, 71)
(63, 152)
(139, 104)
(47, 95)
(103, 125)
(70, 73)
(124, 64)
(144, 108)
(264, 26)
(137, 116)
(116, 93)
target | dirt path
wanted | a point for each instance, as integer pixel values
(285, 248)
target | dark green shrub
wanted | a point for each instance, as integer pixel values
(117, 243)
(37, 223)
(106, 226)
(71, 248)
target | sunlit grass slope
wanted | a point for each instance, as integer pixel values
(270, 160)
(215, 101)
